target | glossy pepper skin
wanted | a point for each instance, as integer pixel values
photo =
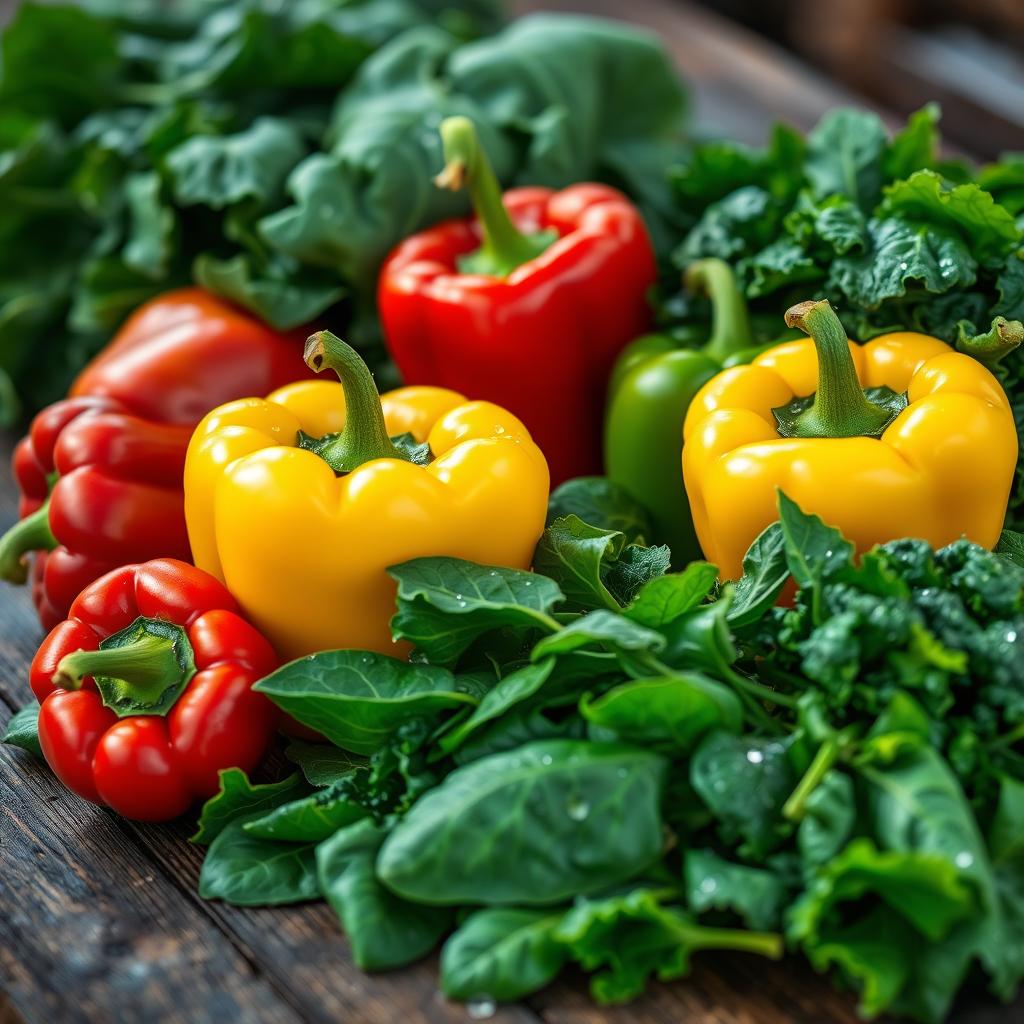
(651, 387)
(939, 469)
(185, 707)
(111, 456)
(526, 306)
(304, 543)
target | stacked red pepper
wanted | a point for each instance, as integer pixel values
(100, 472)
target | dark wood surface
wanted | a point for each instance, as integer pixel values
(99, 918)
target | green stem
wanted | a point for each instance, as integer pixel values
(767, 944)
(29, 534)
(794, 808)
(758, 690)
(989, 347)
(840, 407)
(730, 322)
(466, 165)
(365, 436)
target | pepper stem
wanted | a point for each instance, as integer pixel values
(139, 671)
(365, 436)
(730, 322)
(466, 165)
(840, 407)
(32, 533)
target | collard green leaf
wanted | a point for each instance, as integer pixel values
(780, 264)
(635, 567)
(744, 220)
(23, 730)
(915, 146)
(844, 156)
(712, 883)
(674, 711)
(151, 244)
(504, 953)
(247, 871)
(321, 763)
(357, 699)
(602, 503)
(988, 230)
(444, 604)
(897, 252)
(384, 930)
(505, 829)
(829, 817)
(665, 598)
(220, 170)
(239, 798)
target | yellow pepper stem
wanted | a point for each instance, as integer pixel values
(365, 436)
(840, 407)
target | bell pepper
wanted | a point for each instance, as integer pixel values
(527, 305)
(100, 472)
(145, 691)
(300, 502)
(651, 388)
(900, 437)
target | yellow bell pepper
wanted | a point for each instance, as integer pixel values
(935, 464)
(303, 538)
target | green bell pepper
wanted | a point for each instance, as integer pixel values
(651, 388)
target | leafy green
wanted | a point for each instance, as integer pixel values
(712, 883)
(23, 730)
(357, 699)
(310, 818)
(385, 931)
(321, 763)
(239, 798)
(502, 952)
(504, 829)
(601, 503)
(444, 604)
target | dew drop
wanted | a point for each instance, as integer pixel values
(1011, 636)
(755, 756)
(528, 583)
(903, 265)
(708, 885)
(458, 597)
(828, 554)
(462, 604)
(546, 759)
(963, 859)
(481, 1008)
(577, 809)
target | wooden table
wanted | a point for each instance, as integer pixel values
(99, 917)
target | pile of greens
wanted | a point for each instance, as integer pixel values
(896, 236)
(274, 152)
(602, 764)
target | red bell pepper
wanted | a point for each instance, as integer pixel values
(146, 692)
(527, 305)
(110, 458)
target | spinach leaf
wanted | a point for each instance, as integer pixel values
(506, 828)
(321, 763)
(844, 156)
(23, 730)
(674, 711)
(444, 604)
(814, 551)
(357, 699)
(744, 781)
(663, 599)
(385, 931)
(756, 895)
(504, 953)
(765, 572)
(238, 798)
(248, 871)
(308, 819)
(604, 629)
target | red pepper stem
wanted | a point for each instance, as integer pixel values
(365, 436)
(730, 321)
(146, 666)
(840, 407)
(504, 246)
(32, 533)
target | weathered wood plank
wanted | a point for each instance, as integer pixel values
(91, 929)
